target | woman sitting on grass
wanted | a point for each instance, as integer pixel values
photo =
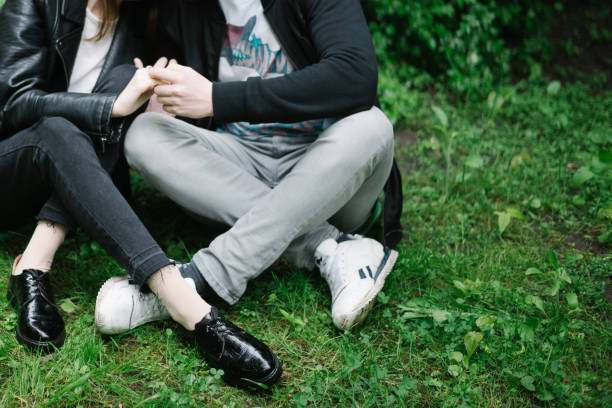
(67, 92)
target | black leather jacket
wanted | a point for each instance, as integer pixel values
(327, 40)
(39, 40)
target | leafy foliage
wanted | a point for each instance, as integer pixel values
(470, 43)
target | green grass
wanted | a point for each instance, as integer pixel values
(498, 297)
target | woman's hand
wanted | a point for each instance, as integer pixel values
(156, 107)
(138, 90)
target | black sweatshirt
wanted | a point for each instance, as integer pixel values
(327, 41)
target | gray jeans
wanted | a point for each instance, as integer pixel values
(280, 194)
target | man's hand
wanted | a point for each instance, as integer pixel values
(183, 91)
(138, 90)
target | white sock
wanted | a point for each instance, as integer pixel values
(41, 249)
(183, 303)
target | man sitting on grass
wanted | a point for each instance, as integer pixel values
(285, 145)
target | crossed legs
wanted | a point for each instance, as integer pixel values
(277, 198)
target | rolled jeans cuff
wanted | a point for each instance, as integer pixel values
(52, 213)
(146, 264)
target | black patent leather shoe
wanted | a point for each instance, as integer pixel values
(39, 325)
(244, 360)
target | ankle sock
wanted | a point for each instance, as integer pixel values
(190, 271)
(343, 237)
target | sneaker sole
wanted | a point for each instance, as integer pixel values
(99, 319)
(353, 319)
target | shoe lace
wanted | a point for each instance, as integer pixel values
(151, 302)
(218, 330)
(35, 280)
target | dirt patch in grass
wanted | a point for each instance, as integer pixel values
(584, 243)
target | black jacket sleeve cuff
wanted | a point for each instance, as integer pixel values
(113, 127)
(228, 101)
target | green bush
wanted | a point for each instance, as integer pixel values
(471, 44)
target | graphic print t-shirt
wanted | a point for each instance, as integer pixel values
(251, 49)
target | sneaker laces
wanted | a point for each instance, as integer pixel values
(151, 302)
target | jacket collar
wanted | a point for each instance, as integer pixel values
(74, 11)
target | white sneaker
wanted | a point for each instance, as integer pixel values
(121, 306)
(355, 270)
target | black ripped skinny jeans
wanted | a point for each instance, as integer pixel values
(54, 172)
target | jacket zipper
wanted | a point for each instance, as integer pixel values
(58, 45)
(56, 21)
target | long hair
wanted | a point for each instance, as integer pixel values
(110, 12)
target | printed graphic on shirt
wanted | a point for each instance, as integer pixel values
(254, 51)
(243, 48)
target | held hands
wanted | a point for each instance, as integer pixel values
(175, 89)
(138, 90)
(182, 91)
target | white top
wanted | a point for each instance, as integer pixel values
(239, 12)
(90, 55)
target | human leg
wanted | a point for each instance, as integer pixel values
(210, 174)
(207, 173)
(43, 244)
(56, 154)
(83, 186)
(54, 220)
(336, 166)
(110, 155)
(372, 160)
